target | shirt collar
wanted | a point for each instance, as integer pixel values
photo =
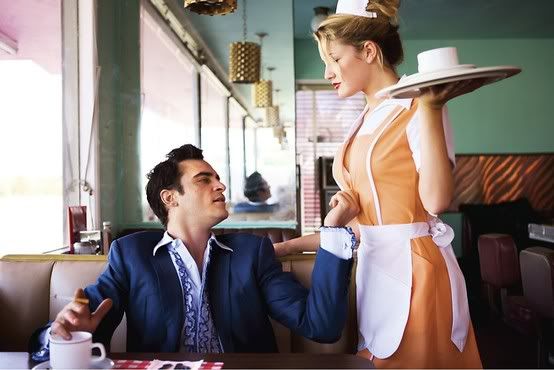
(167, 239)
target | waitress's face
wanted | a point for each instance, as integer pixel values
(345, 68)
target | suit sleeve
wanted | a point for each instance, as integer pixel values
(318, 313)
(113, 284)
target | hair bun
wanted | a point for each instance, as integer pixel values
(388, 8)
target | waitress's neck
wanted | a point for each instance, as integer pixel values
(380, 79)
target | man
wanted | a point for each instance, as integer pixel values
(187, 290)
(257, 191)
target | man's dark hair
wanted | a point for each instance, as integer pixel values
(253, 184)
(166, 175)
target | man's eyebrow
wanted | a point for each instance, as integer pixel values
(207, 174)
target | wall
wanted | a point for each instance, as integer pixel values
(508, 117)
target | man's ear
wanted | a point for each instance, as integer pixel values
(168, 198)
(370, 51)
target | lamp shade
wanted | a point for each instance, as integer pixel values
(211, 7)
(244, 62)
(272, 116)
(262, 94)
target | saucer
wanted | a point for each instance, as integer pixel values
(104, 364)
(408, 87)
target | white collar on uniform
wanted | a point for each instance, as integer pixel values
(168, 239)
(404, 103)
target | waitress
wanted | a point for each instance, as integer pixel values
(397, 160)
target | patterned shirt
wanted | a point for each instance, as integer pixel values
(199, 332)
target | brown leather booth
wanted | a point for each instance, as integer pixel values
(31, 287)
(537, 273)
(501, 276)
(509, 218)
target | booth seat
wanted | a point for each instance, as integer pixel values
(32, 287)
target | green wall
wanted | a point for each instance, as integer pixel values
(507, 117)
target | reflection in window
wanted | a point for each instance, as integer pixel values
(250, 145)
(214, 122)
(270, 173)
(236, 151)
(31, 190)
(167, 84)
(276, 164)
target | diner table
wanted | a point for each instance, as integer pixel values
(21, 360)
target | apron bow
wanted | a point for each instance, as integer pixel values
(441, 233)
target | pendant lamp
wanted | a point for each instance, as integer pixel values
(244, 57)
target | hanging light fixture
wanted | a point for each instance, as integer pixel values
(272, 113)
(211, 7)
(262, 91)
(321, 13)
(244, 57)
(279, 133)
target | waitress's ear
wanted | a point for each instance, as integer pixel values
(370, 52)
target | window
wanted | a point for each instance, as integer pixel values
(214, 125)
(250, 146)
(236, 151)
(322, 123)
(168, 98)
(31, 179)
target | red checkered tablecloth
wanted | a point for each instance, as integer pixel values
(138, 364)
(131, 364)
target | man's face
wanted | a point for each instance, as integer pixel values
(202, 200)
(265, 192)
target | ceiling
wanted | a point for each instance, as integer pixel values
(455, 19)
(271, 16)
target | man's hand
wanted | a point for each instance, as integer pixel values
(344, 206)
(77, 317)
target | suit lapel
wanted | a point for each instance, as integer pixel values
(220, 295)
(171, 294)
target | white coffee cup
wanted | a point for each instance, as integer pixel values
(76, 352)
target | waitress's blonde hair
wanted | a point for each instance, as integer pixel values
(356, 30)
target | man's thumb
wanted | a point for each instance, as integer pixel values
(101, 311)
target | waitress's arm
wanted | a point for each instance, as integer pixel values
(436, 182)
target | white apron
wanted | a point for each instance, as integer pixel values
(384, 270)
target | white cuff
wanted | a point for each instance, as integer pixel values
(339, 241)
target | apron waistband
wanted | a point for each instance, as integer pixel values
(441, 233)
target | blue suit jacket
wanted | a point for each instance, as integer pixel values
(245, 287)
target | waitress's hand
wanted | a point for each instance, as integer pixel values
(345, 206)
(436, 96)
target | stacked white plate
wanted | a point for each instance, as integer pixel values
(440, 66)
